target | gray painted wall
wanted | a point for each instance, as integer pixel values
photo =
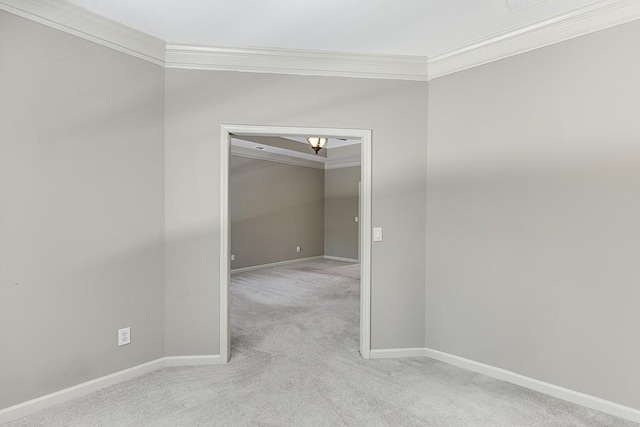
(340, 210)
(533, 207)
(348, 152)
(273, 208)
(198, 102)
(532, 187)
(81, 210)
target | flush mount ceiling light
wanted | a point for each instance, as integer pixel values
(316, 142)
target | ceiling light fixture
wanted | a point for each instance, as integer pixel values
(316, 142)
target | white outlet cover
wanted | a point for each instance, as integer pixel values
(124, 336)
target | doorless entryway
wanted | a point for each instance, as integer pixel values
(365, 219)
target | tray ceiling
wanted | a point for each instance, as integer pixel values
(411, 27)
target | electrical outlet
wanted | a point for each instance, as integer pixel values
(233, 257)
(298, 248)
(124, 336)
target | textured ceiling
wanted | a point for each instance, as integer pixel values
(406, 27)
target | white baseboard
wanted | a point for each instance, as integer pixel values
(29, 407)
(275, 264)
(213, 359)
(39, 403)
(338, 258)
(563, 393)
(537, 385)
(392, 353)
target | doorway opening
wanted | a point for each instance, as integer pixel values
(364, 242)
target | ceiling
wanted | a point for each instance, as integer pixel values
(408, 27)
(281, 148)
(331, 142)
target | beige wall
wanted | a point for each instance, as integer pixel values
(198, 102)
(532, 220)
(340, 210)
(81, 210)
(273, 208)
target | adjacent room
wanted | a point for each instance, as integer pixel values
(294, 243)
(332, 214)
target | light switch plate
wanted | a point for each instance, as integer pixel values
(377, 234)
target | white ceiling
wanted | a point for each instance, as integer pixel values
(248, 148)
(407, 27)
(235, 142)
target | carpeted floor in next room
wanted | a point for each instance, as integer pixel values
(295, 361)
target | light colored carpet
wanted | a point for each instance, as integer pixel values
(295, 361)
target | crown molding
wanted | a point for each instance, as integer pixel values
(342, 163)
(275, 157)
(75, 20)
(292, 159)
(300, 62)
(72, 19)
(67, 17)
(597, 15)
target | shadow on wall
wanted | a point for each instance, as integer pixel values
(341, 230)
(201, 88)
(192, 266)
(261, 187)
(539, 260)
(273, 237)
(73, 316)
(274, 207)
